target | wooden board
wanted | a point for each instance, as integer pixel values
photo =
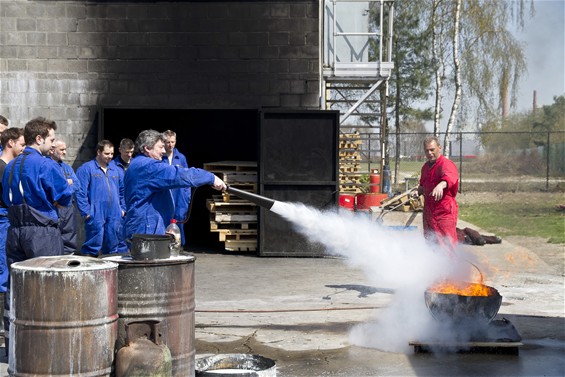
(233, 217)
(214, 226)
(232, 178)
(234, 205)
(233, 245)
(236, 234)
(397, 200)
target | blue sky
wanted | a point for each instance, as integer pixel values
(544, 41)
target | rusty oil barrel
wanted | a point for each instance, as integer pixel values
(161, 290)
(63, 318)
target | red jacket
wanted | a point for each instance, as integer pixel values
(440, 216)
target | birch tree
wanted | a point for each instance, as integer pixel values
(457, 76)
(438, 59)
(485, 60)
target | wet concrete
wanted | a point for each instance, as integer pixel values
(300, 312)
(278, 308)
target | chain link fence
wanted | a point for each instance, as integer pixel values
(487, 161)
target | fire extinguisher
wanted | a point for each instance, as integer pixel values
(375, 181)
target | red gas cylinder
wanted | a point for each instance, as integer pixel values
(347, 201)
(375, 181)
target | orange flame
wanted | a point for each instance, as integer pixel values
(461, 288)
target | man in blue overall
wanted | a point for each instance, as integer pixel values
(100, 203)
(148, 183)
(33, 186)
(67, 225)
(181, 196)
(13, 144)
(121, 162)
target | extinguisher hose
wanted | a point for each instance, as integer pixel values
(187, 216)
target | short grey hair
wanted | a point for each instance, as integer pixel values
(147, 138)
(429, 139)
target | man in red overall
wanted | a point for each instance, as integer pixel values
(439, 182)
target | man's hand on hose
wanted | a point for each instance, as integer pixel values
(219, 184)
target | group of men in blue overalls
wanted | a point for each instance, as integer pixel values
(116, 197)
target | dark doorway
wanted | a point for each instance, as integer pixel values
(203, 135)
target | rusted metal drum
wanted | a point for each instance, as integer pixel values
(161, 290)
(63, 318)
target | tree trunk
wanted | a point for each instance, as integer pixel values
(437, 59)
(457, 74)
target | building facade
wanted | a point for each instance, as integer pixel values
(66, 60)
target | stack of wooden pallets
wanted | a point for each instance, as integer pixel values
(234, 219)
(349, 163)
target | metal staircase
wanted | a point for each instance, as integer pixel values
(357, 62)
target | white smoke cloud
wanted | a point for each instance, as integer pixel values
(393, 259)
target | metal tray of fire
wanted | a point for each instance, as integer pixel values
(498, 337)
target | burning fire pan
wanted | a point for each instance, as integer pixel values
(477, 303)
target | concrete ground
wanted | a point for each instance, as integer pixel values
(301, 312)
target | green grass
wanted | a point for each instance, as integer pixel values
(537, 219)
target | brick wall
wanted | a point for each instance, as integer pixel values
(63, 59)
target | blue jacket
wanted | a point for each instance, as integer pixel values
(42, 180)
(69, 173)
(181, 196)
(120, 165)
(100, 194)
(149, 203)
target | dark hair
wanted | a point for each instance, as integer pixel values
(3, 120)
(13, 133)
(38, 127)
(126, 144)
(103, 144)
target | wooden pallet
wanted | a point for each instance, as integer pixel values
(238, 217)
(347, 164)
(233, 205)
(237, 235)
(233, 178)
(214, 225)
(346, 188)
(245, 245)
(348, 169)
(349, 156)
(231, 166)
(249, 187)
(353, 135)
